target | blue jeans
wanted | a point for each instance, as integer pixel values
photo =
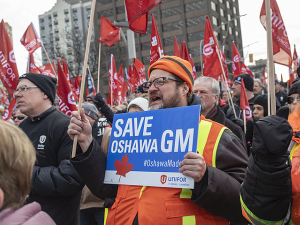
(92, 216)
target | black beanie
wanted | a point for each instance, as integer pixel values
(295, 89)
(45, 83)
(248, 81)
(263, 101)
(141, 89)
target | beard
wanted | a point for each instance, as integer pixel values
(172, 102)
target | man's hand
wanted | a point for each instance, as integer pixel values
(193, 165)
(79, 125)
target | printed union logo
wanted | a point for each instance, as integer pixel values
(207, 50)
(42, 139)
(12, 56)
(163, 179)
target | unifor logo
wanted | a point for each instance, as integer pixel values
(42, 139)
(207, 50)
(12, 56)
(163, 179)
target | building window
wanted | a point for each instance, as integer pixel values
(217, 35)
(221, 1)
(70, 52)
(195, 21)
(146, 46)
(70, 60)
(229, 17)
(42, 20)
(234, 10)
(55, 14)
(106, 13)
(50, 25)
(69, 44)
(237, 33)
(67, 28)
(195, 6)
(56, 30)
(75, 19)
(76, 27)
(164, 1)
(55, 22)
(67, 20)
(42, 28)
(213, 6)
(88, 8)
(43, 35)
(215, 21)
(235, 23)
(51, 32)
(223, 27)
(230, 30)
(74, 10)
(49, 17)
(146, 60)
(66, 11)
(88, 17)
(196, 36)
(228, 5)
(121, 9)
(56, 38)
(57, 46)
(194, 51)
(68, 36)
(172, 26)
(222, 12)
(171, 11)
(168, 41)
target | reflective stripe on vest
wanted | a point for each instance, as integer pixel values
(105, 215)
(296, 145)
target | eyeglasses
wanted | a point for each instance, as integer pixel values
(19, 117)
(23, 89)
(158, 82)
(291, 99)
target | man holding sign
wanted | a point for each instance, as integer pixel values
(218, 167)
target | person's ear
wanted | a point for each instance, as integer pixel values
(185, 88)
(1, 197)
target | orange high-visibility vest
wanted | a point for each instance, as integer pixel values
(158, 205)
(295, 174)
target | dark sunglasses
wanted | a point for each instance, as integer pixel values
(137, 91)
(19, 117)
(291, 99)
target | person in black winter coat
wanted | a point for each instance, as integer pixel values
(56, 185)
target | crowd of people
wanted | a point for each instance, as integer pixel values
(240, 177)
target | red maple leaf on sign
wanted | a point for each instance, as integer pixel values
(123, 168)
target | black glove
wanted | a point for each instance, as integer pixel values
(239, 122)
(98, 100)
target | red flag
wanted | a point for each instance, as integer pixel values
(263, 78)
(137, 14)
(244, 104)
(130, 80)
(139, 70)
(122, 89)
(184, 54)
(31, 40)
(8, 67)
(67, 102)
(224, 63)
(176, 48)
(31, 67)
(292, 76)
(109, 33)
(211, 63)
(66, 72)
(281, 44)
(4, 97)
(245, 69)
(48, 69)
(193, 67)
(155, 43)
(76, 87)
(295, 59)
(8, 112)
(235, 61)
(113, 81)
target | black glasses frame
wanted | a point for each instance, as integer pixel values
(158, 82)
(23, 88)
(19, 117)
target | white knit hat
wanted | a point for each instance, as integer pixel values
(140, 102)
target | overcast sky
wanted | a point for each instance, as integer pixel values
(20, 13)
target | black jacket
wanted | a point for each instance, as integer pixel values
(55, 183)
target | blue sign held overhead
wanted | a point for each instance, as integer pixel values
(146, 148)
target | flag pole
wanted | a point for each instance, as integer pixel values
(224, 78)
(270, 58)
(87, 49)
(111, 79)
(49, 61)
(98, 82)
(244, 118)
(159, 52)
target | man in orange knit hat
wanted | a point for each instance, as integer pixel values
(218, 168)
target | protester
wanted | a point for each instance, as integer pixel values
(138, 104)
(17, 158)
(258, 88)
(224, 96)
(280, 95)
(90, 99)
(139, 91)
(171, 85)
(55, 184)
(208, 90)
(282, 86)
(293, 99)
(18, 117)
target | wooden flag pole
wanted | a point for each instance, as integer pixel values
(224, 78)
(270, 58)
(159, 52)
(244, 118)
(98, 82)
(50, 61)
(268, 90)
(87, 49)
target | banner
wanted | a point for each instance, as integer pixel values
(31, 40)
(143, 151)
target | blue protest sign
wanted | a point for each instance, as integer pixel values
(146, 147)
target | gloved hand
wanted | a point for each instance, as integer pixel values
(239, 122)
(98, 100)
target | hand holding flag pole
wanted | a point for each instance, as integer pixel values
(87, 49)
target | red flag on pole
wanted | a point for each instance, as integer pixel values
(113, 82)
(292, 76)
(32, 68)
(235, 61)
(4, 97)
(67, 102)
(66, 71)
(155, 43)
(8, 66)
(184, 54)
(223, 59)
(295, 59)
(121, 85)
(281, 44)
(193, 67)
(130, 79)
(30, 39)
(244, 104)
(245, 69)
(211, 63)
(8, 112)
(176, 48)
(47, 68)
(137, 14)
(76, 87)
(109, 33)
(139, 70)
